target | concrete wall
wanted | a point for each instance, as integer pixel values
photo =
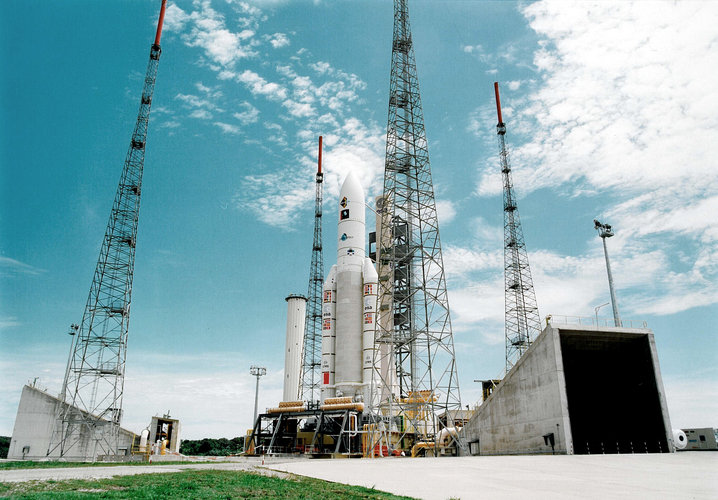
(528, 403)
(35, 423)
(614, 392)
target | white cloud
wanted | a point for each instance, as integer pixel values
(249, 115)
(279, 40)
(228, 128)
(259, 86)
(202, 114)
(321, 67)
(207, 30)
(10, 267)
(175, 18)
(170, 124)
(446, 211)
(298, 109)
(617, 82)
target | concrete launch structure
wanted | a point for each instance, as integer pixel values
(579, 389)
(37, 417)
(349, 304)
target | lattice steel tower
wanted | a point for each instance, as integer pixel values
(521, 321)
(312, 359)
(416, 365)
(88, 422)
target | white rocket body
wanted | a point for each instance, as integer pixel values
(349, 316)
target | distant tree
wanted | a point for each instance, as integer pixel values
(4, 446)
(220, 447)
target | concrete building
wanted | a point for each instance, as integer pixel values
(34, 425)
(164, 434)
(579, 389)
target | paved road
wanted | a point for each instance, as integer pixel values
(677, 475)
(99, 472)
(665, 476)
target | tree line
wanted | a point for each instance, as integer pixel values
(220, 447)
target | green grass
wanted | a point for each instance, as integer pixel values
(53, 464)
(191, 484)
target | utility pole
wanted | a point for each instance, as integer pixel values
(605, 231)
(312, 358)
(522, 323)
(257, 371)
(89, 413)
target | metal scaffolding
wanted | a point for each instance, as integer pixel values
(90, 412)
(312, 358)
(522, 323)
(415, 377)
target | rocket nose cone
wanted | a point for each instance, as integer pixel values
(351, 189)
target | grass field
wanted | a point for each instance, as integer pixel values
(192, 484)
(53, 464)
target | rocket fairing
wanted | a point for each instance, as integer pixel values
(349, 303)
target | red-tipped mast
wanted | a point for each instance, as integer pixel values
(498, 101)
(159, 23)
(319, 168)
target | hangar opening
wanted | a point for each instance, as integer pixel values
(613, 397)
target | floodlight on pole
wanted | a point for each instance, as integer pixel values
(257, 371)
(605, 231)
(595, 310)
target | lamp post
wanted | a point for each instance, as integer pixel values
(605, 231)
(257, 371)
(595, 310)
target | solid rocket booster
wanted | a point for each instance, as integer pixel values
(349, 303)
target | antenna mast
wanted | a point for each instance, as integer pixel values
(311, 364)
(522, 324)
(90, 412)
(415, 362)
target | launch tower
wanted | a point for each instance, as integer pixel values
(521, 321)
(417, 383)
(311, 363)
(90, 411)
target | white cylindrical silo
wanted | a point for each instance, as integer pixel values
(371, 284)
(329, 319)
(296, 314)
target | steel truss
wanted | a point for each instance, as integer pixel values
(415, 379)
(90, 412)
(312, 352)
(521, 321)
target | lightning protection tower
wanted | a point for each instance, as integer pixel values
(90, 412)
(312, 360)
(521, 320)
(414, 355)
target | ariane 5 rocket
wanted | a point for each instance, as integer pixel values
(349, 315)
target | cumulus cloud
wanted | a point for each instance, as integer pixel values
(206, 29)
(259, 86)
(278, 40)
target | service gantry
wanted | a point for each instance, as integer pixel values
(521, 320)
(90, 412)
(312, 358)
(416, 376)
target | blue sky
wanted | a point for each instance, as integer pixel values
(611, 113)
